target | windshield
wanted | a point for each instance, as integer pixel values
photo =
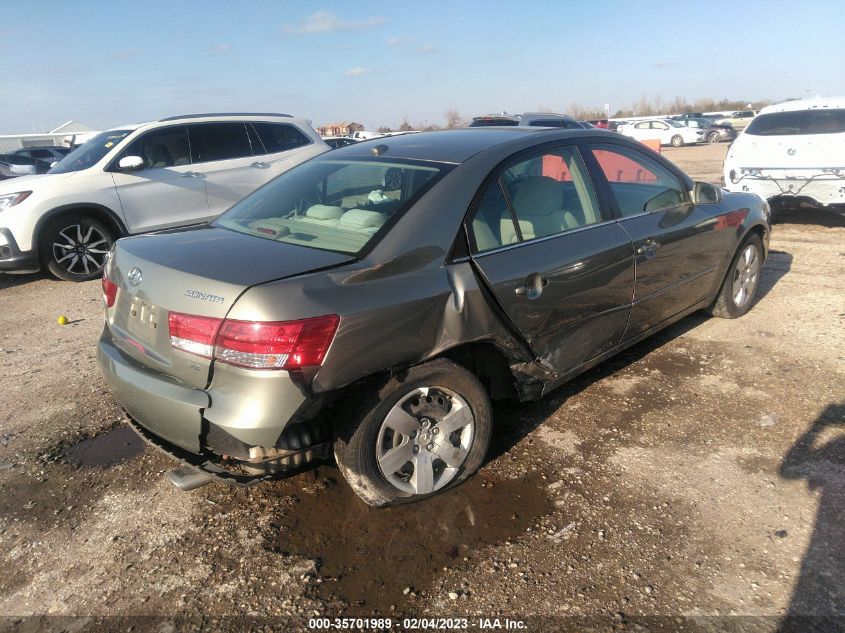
(798, 122)
(334, 205)
(90, 153)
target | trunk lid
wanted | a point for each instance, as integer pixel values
(200, 272)
(793, 152)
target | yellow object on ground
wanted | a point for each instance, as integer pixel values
(62, 320)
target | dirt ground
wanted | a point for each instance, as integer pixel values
(697, 481)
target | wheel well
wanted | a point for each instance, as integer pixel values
(489, 364)
(99, 213)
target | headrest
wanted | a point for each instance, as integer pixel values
(324, 212)
(360, 219)
(538, 195)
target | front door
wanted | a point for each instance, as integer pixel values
(562, 273)
(678, 246)
(169, 191)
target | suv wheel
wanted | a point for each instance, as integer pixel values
(713, 137)
(420, 434)
(75, 247)
(677, 141)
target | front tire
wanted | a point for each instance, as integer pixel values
(713, 137)
(740, 285)
(677, 141)
(75, 247)
(421, 433)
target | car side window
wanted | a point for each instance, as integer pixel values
(487, 220)
(164, 147)
(639, 183)
(279, 137)
(656, 125)
(219, 141)
(41, 153)
(547, 193)
(643, 126)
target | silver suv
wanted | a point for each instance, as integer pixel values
(174, 172)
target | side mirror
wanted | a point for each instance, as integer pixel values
(53, 164)
(131, 163)
(706, 193)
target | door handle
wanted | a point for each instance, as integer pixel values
(192, 174)
(533, 287)
(260, 165)
(649, 247)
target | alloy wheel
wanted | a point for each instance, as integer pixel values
(424, 439)
(746, 275)
(80, 249)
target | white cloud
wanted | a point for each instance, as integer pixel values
(220, 49)
(328, 22)
(393, 42)
(358, 71)
(426, 49)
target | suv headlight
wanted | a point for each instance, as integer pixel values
(11, 199)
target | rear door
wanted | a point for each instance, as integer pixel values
(231, 166)
(169, 191)
(679, 246)
(283, 145)
(562, 272)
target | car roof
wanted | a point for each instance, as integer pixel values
(455, 146)
(211, 117)
(816, 103)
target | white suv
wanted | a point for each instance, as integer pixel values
(175, 172)
(792, 150)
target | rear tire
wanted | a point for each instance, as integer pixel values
(713, 137)
(421, 433)
(75, 247)
(740, 285)
(677, 141)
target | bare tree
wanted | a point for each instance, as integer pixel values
(405, 126)
(453, 119)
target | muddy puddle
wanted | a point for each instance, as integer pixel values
(106, 449)
(376, 559)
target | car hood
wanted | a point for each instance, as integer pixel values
(31, 182)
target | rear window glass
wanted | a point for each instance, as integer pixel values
(798, 122)
(279, 137)
(334, 205)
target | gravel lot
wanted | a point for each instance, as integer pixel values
(699, 474)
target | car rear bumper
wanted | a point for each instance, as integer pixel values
(251, 416)
(12, 259)
(823, 188)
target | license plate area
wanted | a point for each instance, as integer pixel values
(143, 321)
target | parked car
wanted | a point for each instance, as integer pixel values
(713, 132)
(686, 116)
(338, 141)
(668, 132)
(173, 172)
(531, 119)
(602, 124)
(363, 135)
(14, 166)
(390, 295)
(49, 154)
(792, 151)
(738, 119)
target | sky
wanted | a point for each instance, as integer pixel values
(377, 63)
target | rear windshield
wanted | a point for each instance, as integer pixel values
(333, 205)
(90, 153)
(798, 122)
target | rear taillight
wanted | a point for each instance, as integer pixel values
(255, 344)
(193, 334)
(109, 291)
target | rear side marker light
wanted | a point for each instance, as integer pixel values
(255, 344)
